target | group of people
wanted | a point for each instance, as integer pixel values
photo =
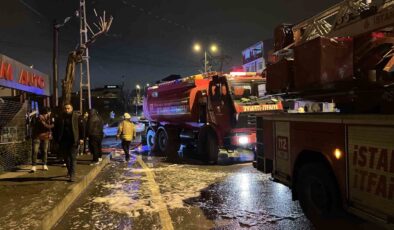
(69, 131)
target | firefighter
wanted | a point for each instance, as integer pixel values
(127, 133)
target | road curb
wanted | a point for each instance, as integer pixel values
(53, 216)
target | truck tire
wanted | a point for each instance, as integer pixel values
(162, 140)
(168, 143)
(317, 192)
(151, 140)
(207, 146)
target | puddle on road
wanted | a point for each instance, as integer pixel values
(247, 218)
(242, 199)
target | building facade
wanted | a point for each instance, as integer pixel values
(105, 100)
(22, 91)
(253, 58)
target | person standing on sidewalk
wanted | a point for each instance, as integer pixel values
(41, 134)
(69, 137)
(94, 131)
(126, 132)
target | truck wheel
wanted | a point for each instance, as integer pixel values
(317, 191)
(168, 143)
(208, 146)
(151, 140)
(162, 140)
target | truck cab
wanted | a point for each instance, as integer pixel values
(247, 91)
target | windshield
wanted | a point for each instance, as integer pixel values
(246, 91)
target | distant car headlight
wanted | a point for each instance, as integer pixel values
(243, 140)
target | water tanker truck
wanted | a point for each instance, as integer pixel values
(205, 113)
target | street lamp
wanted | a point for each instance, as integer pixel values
(137, 92)
(197, 47)
(145, 88)
(56, 28)
(213, 48)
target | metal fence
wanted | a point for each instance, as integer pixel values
(15, 146)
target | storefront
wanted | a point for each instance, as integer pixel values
(22, 91)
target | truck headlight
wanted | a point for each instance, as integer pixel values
(243, 140)
(337, 153)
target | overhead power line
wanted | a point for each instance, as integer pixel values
(32, 9)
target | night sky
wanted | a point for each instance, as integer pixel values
(149, 39)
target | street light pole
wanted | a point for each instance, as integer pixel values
(213, 48)
(205, 62)
(55, 96)
(145, 88)
(137, 92)
(56, 28)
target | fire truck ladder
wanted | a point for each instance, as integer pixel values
(348, 18)
(352, 18)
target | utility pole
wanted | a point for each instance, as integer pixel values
(81, 55)
(84, 65)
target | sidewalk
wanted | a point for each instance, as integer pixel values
(38, 200)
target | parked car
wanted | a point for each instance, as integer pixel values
(111, 130)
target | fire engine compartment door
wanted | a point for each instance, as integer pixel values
(221, 104)
(371, 170)
(282, 151)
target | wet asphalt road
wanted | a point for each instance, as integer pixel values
(149, 193)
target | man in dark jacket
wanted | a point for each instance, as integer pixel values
(69, 137)
(94, 131)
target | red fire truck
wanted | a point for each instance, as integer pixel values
(334, 143)
(205, 112)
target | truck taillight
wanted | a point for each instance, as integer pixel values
(378, 35)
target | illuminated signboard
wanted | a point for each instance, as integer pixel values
(262, 107)
(111, 86)
(170, 108)
(16, 75)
